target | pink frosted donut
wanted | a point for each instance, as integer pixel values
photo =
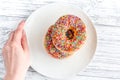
(51, 49)
(69, 33)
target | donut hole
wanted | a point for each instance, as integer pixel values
(70, 34)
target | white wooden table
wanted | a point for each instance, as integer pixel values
(105, 15)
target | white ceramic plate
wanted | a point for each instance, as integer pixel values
(36, 27)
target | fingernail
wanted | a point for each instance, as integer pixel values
(23, 21)
(21, 25)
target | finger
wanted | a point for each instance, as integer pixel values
(21, 25)
(24, 42)
(10, 37)
(18, 32)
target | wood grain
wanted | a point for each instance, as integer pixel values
(105, 15)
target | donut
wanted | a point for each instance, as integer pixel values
(51, 49)
(69, 33)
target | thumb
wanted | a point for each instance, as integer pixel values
(24, 42)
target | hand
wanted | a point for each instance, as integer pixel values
(16, 54)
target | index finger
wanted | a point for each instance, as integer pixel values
(20, 25)
(18, 31)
